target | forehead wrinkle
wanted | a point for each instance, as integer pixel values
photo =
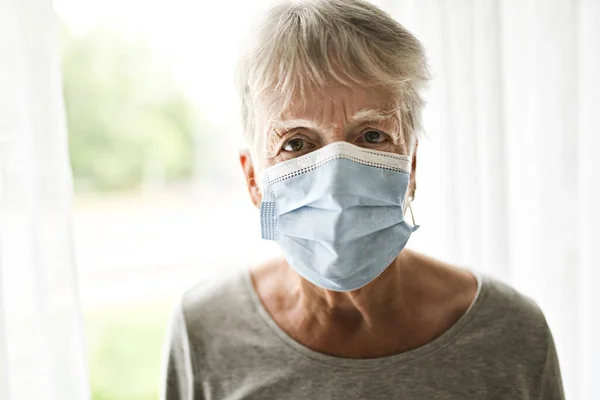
(279, 126)
(345, 113)
(328, 111)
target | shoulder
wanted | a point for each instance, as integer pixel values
(515, 335)
(203, 314)
(505, 303)
(511, 320)
(214, 303)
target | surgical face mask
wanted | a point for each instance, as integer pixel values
(337, 213)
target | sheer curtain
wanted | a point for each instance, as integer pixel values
(509, 171)
(41, 347)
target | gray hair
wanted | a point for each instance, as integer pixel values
(306, 44)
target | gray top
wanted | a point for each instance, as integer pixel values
(223, 344)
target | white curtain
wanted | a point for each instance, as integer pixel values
(509, 171)
(41, 346)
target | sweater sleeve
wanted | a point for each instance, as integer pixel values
(178, 368)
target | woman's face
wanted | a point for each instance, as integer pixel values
(364, 117)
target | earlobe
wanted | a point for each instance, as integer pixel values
(250, 175)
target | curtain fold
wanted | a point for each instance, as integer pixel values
(509, 180)
(41, 340)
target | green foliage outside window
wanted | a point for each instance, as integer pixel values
(126, 117)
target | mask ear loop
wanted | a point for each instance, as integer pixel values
(412, 215)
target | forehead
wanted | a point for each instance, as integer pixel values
(337, 105)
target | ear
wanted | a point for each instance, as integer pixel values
(250, 174)
(412, 186)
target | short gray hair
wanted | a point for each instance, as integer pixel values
(302, 44)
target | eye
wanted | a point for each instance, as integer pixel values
(374, 137)
(294, 145)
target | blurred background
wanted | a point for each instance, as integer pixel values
(154, 133)
(159, 200)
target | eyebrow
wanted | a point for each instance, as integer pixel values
(280, 127)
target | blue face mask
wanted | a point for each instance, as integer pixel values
(337, 213)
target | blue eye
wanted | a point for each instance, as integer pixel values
(374, 137)
(294, 145)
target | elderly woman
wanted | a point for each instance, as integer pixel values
(331, 94)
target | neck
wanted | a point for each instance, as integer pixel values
(412, 302)
(370, 304)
